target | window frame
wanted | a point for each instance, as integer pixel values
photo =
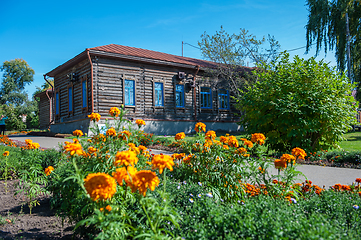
(156, 93)
(57, 103)
(223, 95)
(202, 96)
(71, 100)
(124, 93)
(182, 94)
(84, 95)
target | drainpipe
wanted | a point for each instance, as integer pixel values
(91, 79)
(51, 101)
(195, 94)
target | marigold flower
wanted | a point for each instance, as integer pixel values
(280, 164)
(111, 132)
(358, 180)
(124, 135)
(288, 158)
(143, 180)
(248, 143)
(73, 148)
(6, 153)
(109, 208)
(225, 147)
(100, 186)
(258, 138)
(233, 142)
(241, 150)
(78, 133)
(28, 141)
(126, 158)
(92, 150)
(94, 117)
(188, 158)
(200, 127)
(139, 122)
(224, 139)
(261, 169)
(75, 140)
(142, 148)
(114, 111)
(162, 161)
(33, 145)
(48, 170)
(126, 174)
(211, 135)
(179, 136)
(299, 153)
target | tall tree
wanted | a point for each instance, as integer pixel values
(233, 51)
(16, 75)
(327, 27)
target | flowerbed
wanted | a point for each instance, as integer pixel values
(112, 187)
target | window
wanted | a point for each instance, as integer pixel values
(129, 92)
(179, 95)
(206, 97)
(57, 104)
(84, 93)
(158, 94)
(70, 99)
(223, 99)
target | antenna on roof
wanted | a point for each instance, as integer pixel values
(182, 48)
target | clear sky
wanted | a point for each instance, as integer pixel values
(48, 33)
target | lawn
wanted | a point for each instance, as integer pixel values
(352, 142)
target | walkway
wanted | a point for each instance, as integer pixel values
(321, 176)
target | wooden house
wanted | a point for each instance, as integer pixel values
(171, 93)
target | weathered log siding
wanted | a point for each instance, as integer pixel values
(62, 83)
(44, 111)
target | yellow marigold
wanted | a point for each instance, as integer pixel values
(224, 139)
(140, 122)
(188, 158)
(94, 117)
(28, 141)
(133, 148)
(233, 142)
(78, 133)
(299, 153)
(111, 132)
(211, 135)
(261, 169)
(92, 150)
(6, 153)
(124, 135)
(200, 127)
(288, 158)
(126, 158)
(179, 136)
(241, 151)
(126, 174)
(143, 180)
(258, 138)
(248, 143)
(178, 156)
(142, 148)
(48, 170)
(75, 140)
(114, 112)
(73, 148)
(100, 186)
(162, 161)
(33, 145)
(279, 164)
(225, 147)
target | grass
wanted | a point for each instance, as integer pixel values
(352, 142)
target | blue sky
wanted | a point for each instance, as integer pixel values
(48, 33)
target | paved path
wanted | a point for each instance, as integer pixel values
(321, 176)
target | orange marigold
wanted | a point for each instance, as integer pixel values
(279, 164)
(78, 133)
(92, 150)
(211, 135)
(126, 174)
(224, 139)
(178, 156)
(288, 158)
(179, 136)
(241, 151)
(162, 161)
(33, 145)
(124, 135)
(200, 127)
(126, 158)
(358, 180)
(258, 138)
(28, 141)
(233, 142)
(94, 117)
(248, 143)
(73, 148)
(48, 170)
(100, 186)
(143, 180)
(139, 122)
(188, 158)
(111, 132)
(6, 153)
(114, 111)
(299, 153)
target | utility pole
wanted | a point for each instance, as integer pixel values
(348, 50)
(182, 48)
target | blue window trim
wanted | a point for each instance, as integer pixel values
(181, 93)
(158, 94)
(70, 99)
(206, 98)
(84, 93)
(224, 96)
(127, 99)
(57, 103)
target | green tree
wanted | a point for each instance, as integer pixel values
(13, 97)
(232, 51)
(303, 103)
(326, 27)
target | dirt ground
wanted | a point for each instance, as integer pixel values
(17, 223)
